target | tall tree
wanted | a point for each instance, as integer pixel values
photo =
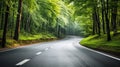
(2, 6)
(96, 19)
(103, 16)
(114, 15)
(5, 25)
(94, 24)
(18, 20)
(107, 22)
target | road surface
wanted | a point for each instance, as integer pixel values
(61, 53)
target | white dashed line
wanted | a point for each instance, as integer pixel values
(22, 62)
(38, 53)
(46, 49)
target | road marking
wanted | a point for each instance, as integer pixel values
(38, 53)
(46, 49)
(103, 54)
(22, 62)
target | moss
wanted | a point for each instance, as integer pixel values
(102, 44)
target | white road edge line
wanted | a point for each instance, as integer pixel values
(38, 53)
(103, 54)
(22, 62)
(46, 49)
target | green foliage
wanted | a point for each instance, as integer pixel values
(41, 19)
(96, 42)
(53, 17)
(27, 36)
(85, 25)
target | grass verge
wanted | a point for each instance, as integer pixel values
(100, 43)
(26, 39)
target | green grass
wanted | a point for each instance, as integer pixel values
(101, 43)
(26, 38)
(37, 36)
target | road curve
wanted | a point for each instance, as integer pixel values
(61, 53)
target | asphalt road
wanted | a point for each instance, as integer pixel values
(61, 53)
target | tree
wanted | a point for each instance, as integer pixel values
(5, 25)
(114, 16)
(18, 20)
(103, 16)
(107, 22)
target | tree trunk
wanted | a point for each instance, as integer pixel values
(98, 23)
(107, 24)
(103, 17)
(96, 20)
(5, 27)
(93, 32)
(114, 16)
(103, 22)
(17, 29)
(2, 15)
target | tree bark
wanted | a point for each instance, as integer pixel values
(98, 23)
(2, 15)
(114, 16)
(5, 27)
(103, 17)
(17, 29)
(93, 32)
(107, 23)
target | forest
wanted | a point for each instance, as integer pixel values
(23, 20)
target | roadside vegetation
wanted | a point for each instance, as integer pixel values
(34, 20)
(26, 39)
(100, 43)
(99, 21)
(23, 21)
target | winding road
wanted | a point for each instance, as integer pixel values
(60, 53)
